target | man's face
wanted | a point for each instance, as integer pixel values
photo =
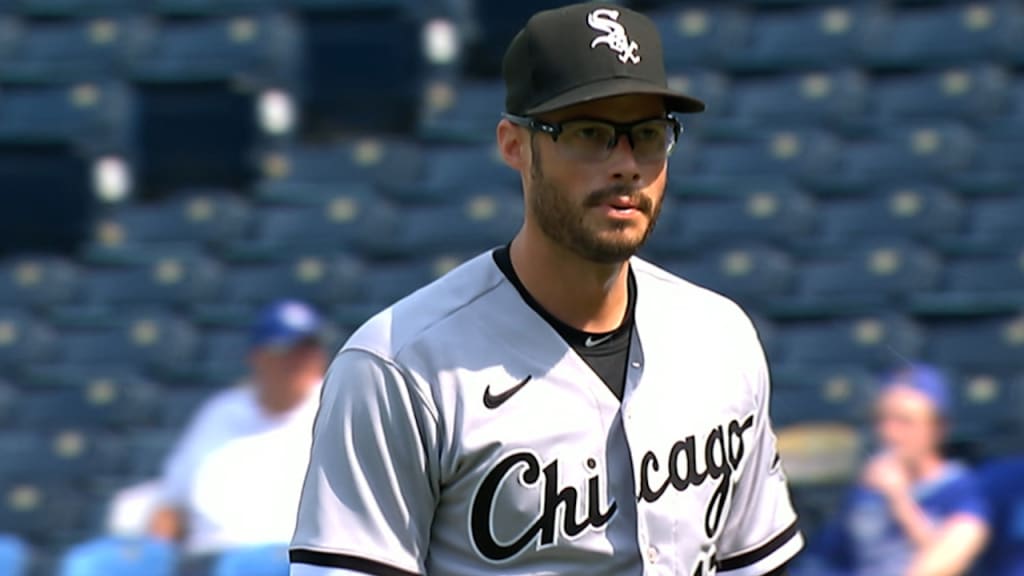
(276, 366)
(906, 423)
(601, 211)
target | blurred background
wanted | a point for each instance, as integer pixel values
(168, 167)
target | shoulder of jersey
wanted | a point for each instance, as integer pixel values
(679, 292)
(413, 317)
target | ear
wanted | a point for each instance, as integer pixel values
(512, 145)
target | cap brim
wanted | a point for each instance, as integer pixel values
(674, 101)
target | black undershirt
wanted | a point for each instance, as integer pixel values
(608, 354)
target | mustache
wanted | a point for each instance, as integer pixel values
(604, 195)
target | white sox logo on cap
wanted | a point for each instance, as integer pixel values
(607, 21)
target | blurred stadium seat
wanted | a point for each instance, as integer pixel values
(15, 556)
(213, 217)
(138, 339)
(753, 274)
(899, 155)
(208, 8)
(871, 274)
(72, 8)
(69, 49)
(461, 112)
(28, 280)
(199, 83)
(695, 36)
(937, 34)
(496, 23)
(763, 214)
(459, 172)
(125, 557)
(812, 98)
(483, 220)
(23, 339)
(981, 344)
(985, 407)
(39, 510)
(904, 212)
(1000, 481)
(840, 395)
(165, 280)
(871, 341)
(100, 404)
(976, 92)
(348, 163)
(319, 280)
(89, 116)
(263, 561)
(778, 39)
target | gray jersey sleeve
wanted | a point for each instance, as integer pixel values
(371, 488)
(761, 532)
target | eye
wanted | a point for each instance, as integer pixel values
(590, 133)
(649, 133)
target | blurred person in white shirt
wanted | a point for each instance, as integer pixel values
(234, 478)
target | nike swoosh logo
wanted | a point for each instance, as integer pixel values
(590, 342)
(492, 401)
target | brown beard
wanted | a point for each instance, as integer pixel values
(563, 221)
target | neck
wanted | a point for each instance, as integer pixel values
(927, 468)
(282, 397)
(585, 295)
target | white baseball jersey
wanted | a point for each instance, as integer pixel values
(459, 434)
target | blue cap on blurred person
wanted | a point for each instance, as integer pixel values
(926, 379)
(285, 323)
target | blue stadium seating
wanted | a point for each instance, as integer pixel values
(166, 280)
(898, 156)
(9, 396)
(23, 339)
(872, 274)
(1000, 482)
(984, 408)
(224, 357)
(930, 35)
(319, 280)
(868, 341)
(986, 280)
(149, 448)
(93, 117)
(125, 557)
(840, 395)
(72, 8)
(913, 211)
(97, 404)
(207, 8)
(699, 35)
(262, 561)
(812, 98)
(213, 217)
(763, 158)
(198, 82)
(983, 344)
(328, 228)
(769, 213)
(15, 556)
(70, 50)
(497, 23)
(779, 39)
(478, 222)
(39, 510)
(461, 112)
(977, 92)
(141, 339)
(58, 456)
(38, 281)
(348, 164)
(56, 375)
(388, 281)
(179, 408)
(459, 172)
(751, 274)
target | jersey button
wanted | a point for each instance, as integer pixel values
(635, 364)
(652, 554)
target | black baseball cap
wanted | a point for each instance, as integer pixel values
(586, 52)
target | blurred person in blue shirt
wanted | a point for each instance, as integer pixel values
(1003, 484)
(913, 512)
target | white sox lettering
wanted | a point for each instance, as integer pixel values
(723, 453)
(551, 499)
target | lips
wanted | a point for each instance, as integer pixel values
(624, 203)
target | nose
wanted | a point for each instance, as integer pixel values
(622, 163)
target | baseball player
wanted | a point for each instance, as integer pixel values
(557, 405)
